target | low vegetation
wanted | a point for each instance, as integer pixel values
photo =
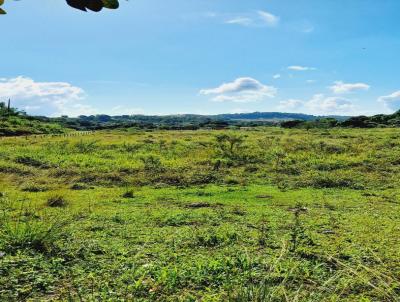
(261, 214)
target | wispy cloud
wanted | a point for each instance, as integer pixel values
(268, 18)
(300, 68)
(259, 18)
(241, 90)
(340, 87)
(276, 76)
(391, 101)
(241, 21)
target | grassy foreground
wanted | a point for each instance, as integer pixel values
(260, 215)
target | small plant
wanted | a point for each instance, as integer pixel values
(152, 164)
(213, 238)
(263, 234)
(57, 201)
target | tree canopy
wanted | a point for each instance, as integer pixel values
(84, 5)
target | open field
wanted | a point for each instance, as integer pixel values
(266, 214)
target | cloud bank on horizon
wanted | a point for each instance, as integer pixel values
(61, 98)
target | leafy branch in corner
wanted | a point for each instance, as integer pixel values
(84, 5)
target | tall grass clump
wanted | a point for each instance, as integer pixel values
(35, 235)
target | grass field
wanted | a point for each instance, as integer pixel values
(259, 215)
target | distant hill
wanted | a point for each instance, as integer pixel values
(276, 116)
(14, 122)
(376, 121)
(182, 121)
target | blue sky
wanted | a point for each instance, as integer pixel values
(202, 56)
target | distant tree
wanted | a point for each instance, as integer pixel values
(93, 5)
(292, 124)
(358, 122)
(5, 110)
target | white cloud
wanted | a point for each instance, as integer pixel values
(241, 21)
(276, 76)
(256, 19)
(392, 101)
(292, 105)
(268, 18)
(340, 87)
(23, 87)
(52, 98)
(319, 104)
(300, 68)
(241, 90)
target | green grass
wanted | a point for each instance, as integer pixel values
(282, 215)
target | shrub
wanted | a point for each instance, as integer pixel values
(152, 164)
(229, 144)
